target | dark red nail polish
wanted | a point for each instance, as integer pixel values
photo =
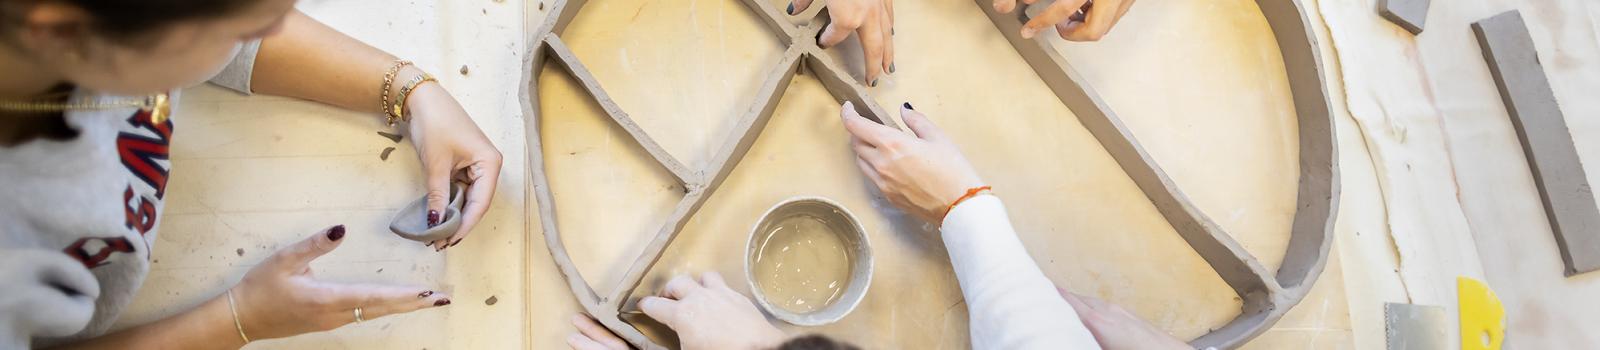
(442, 302)
(908, 106)
(424, 294)
(433, 218)
(336, 233)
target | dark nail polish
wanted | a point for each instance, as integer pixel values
(424, 294)
(874, 83)
(433, 218)
(442, 302)
(791, 9)
(907, 105)
(336, 233)
(891, 68)
(452, 244)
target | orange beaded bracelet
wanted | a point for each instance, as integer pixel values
(972, 192)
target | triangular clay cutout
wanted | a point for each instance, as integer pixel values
(1266, 295)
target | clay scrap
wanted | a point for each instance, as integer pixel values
(1408, 14)
(1564, 188)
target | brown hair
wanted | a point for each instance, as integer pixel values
(126, 19)
(815, 342)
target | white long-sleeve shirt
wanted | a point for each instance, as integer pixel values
(1011, 304)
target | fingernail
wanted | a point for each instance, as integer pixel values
(819, 35)
(452, 244)
(424, 294)
(442, 302)
(1027, 33)
(891, 68)
(791, 9)
(336, 233)
(874, 83)
(433, 218)
(907, 105)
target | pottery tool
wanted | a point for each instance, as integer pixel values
(1415, 327)
(1483, 317)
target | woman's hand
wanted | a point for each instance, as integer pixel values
(281, 298)
(452, 148)
(873, 23)
(705, 313)
(921, 174)
(1117, 329)
(1075, 20)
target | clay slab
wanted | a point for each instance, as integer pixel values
(1408, 14)
(1564, 189)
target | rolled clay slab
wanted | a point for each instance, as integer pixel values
(412, 221)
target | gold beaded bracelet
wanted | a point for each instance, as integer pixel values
(399, 108)
(388, 85)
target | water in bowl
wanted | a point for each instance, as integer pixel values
(802, 265)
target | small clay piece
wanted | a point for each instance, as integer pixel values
(492, 299)
(1408, 14)
(385, 154)
(392, 137)
(412, 221)
(463, 69)
(1558, 173)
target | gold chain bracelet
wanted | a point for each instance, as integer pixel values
(399, 111)
(388, 85)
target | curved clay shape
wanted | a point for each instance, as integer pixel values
(412, 222)
(1266, 295)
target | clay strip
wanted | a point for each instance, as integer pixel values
(1542, 128)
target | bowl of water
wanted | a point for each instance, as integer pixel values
(808, 261)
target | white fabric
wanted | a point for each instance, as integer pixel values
(1011, 303)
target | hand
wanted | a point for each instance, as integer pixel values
(281, 298)
(709, 315)
(921, 174)
(873, 23)
(1075, 20)
(1117, 329)
(452, 148)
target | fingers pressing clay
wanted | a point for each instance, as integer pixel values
(1097, 23)
(412, 221)
(680, 287)
(479, 194)
(660, 309)
(798, 6)
(868, 131)
(1055, 13)
(596, 333)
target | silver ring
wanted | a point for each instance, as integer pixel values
(358, 315)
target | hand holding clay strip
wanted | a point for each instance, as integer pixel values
(412, 222)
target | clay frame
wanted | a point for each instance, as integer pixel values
(1266, 295)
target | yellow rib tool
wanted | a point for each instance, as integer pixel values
(1483, 318)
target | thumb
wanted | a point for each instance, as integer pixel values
(300, 255)
(438, 183)
(661, 309)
